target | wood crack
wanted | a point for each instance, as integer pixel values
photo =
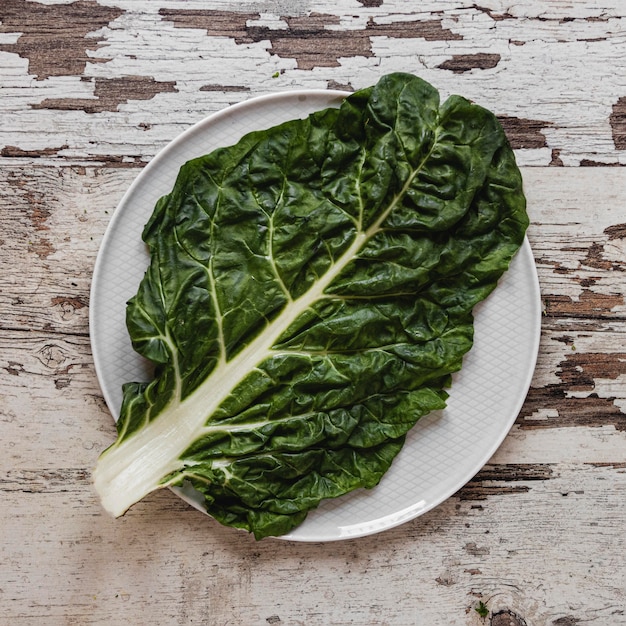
(37, 481)
(499, 479)
(50, 332)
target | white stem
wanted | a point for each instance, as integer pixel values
(131, 469)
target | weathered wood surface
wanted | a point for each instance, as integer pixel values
(90, 91)
(112, 82)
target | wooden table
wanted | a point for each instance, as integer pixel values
(90, 91)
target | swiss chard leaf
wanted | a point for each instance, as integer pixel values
(309, 294)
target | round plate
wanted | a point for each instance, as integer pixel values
(445, 449)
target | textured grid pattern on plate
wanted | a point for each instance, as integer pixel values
(445, 449)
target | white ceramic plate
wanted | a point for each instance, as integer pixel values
(445, 449)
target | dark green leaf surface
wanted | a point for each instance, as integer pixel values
(310, 292)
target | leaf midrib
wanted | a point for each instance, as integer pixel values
(137, 464)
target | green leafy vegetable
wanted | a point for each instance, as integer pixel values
(309, 294)
(482, 609)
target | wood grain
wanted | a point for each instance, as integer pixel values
(91, 90)
(519, 61)
(481, 544)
